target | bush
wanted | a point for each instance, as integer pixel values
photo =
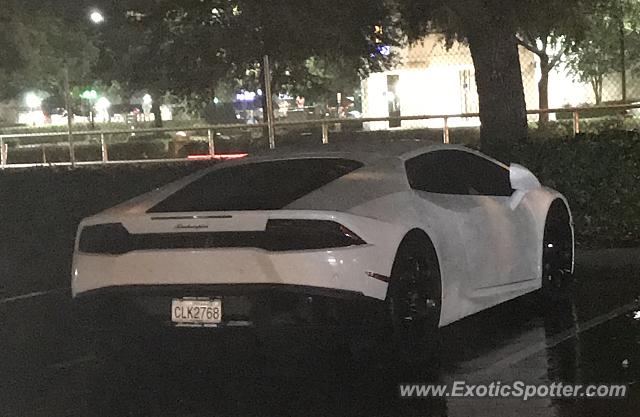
(53, 153)
(138, 149)
(149, 149)
(600, 176)
(592, 113)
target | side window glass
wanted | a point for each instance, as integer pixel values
(442, 172)
(487, 177)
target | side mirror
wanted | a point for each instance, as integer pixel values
(522, 180)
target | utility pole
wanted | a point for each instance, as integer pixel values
(269, 98)
(623, 52)
(67, 100)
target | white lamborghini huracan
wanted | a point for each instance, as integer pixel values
(417, 235)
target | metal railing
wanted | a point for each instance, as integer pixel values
(211, 130)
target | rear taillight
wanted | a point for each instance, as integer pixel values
(280, 235)
(288, 234)
(110, 238)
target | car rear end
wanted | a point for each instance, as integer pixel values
(169, 265)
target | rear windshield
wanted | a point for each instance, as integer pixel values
(258, 186)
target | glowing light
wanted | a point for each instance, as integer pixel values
(246, 96)
(384, 50)
(146, 99)
(32, 100)
(89, 94)
(216, 100)
(103, 104)
(636, 315)
(96, 17)
(218, 156)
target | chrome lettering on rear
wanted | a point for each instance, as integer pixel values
(191, 226)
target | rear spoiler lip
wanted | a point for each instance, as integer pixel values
(193, 217)
(284, 213)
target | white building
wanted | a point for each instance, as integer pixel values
(433, 80)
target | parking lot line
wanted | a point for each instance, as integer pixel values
(30, 295)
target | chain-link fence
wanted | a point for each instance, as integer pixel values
(432, 77)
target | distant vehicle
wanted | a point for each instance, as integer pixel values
(402, 234)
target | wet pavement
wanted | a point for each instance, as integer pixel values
(47, 367)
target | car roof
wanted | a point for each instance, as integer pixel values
(376, 154)
(364, 150)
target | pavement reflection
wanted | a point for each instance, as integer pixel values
(49, 369)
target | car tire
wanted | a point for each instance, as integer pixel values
(414, 300)
(557, 255)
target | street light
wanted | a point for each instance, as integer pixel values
(32, 100)
(89, 94)
(147, 105)
(102, 109)
(103, 104)
(96, 17)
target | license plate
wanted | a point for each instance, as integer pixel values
(196, 311)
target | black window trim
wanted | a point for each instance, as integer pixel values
(459, 151)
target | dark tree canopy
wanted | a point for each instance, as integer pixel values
(38, 42)
(610, 46)
(186, 47)
(549, 29)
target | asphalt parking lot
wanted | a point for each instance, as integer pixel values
(48, 366)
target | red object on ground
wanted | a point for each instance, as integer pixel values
(219, 156)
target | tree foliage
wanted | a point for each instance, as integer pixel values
(37, 44)
(186, 47)
(493, 29)
(611, 41)
(549, 29)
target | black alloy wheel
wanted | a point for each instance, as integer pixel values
(415, 297)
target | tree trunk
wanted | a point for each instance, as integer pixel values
(155, 109)
(499, 81)
(543, 89)
(597, 89)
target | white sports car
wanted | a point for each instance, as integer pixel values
(411, 234)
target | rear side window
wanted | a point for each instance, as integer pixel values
(457, 172)
(488, 178)
(269, 185)
(442, 172)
